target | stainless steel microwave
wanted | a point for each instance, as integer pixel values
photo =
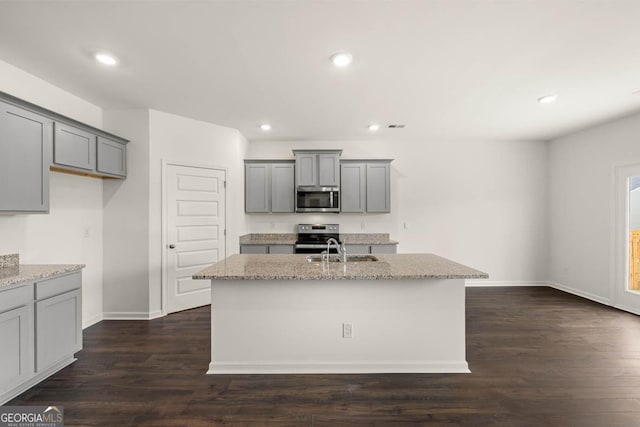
(317, 199)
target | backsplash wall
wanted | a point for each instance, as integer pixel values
(462, 200)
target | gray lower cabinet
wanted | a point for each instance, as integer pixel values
(281, 249)
(266, 249)
(269, 186)
(25, 145)
(371, 249)
(254, 249)
(16, 337)
(384, 249)
(365, 186)
(111, 157)
(58, 329)
(40, 331)
(74, 147)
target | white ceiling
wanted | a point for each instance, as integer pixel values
(448, 70)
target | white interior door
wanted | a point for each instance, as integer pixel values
(195, 232)
(627, 296)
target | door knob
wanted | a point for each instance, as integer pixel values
(172, 246)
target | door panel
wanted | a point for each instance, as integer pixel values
(195, 212)
(624, 281)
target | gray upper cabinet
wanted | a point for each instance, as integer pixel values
(317, 168)
(74, 147)
(378, 187)
(256, 192)
(365, 186)
(269, 186)
(111, 157)
(306, 169)
(329, 170)
(25, 146)
(353, 186)
(282, 187)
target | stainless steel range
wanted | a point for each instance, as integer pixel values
(313, 238)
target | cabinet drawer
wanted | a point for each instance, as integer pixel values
(16, 297)
(280, 249)
(58, 285)
(254, 249)
(383, 249)
(357, 249)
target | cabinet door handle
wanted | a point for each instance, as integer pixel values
(172, 246)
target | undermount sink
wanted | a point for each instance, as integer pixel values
(336, 258)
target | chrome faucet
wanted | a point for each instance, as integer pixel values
(342, 251)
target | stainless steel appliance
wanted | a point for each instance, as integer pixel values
(313, 238)
(317, 199)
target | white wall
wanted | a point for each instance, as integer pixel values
(126, 222)
(175, 138)
(483, 204)
(581, 171)
(72, 232)
(133, 208)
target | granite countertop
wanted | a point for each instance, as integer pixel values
(13, 273)
(296, 267)
(268, 239)
(290, 239)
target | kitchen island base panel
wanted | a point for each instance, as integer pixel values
(296, 327)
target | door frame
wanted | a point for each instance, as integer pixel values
(619, 253)
(165, 221)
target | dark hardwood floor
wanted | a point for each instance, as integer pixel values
(539, 357)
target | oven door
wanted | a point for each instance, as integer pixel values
(313, 248)
(318, 200)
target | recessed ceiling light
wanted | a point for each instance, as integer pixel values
(341, 59)
(373, 127)
(106, 58)
(265, 127)
(547, 99)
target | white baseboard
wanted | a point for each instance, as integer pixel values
(629, 309)
(345, 367)
(478, 283)
(155, 314)
(92, 320)
(583, 294)
(131, 315)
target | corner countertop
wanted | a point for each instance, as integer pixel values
(296, 267)
(290, 239)
(13, 273)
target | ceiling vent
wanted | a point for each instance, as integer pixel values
(395, 126)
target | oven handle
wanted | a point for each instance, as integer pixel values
(310, 246)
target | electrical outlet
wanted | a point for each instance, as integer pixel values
(363, 225)
(406, 225)
(347, 330)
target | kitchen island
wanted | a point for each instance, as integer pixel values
(284, 314)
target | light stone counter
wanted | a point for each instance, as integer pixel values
(296, 267)
(268, 239)
(14, 273)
